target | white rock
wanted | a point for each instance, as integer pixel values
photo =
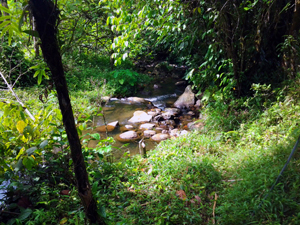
(140, 117)
(160, 137)
(149, 133)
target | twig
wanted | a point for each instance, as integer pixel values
(16, 96)
(14, 213)
(215, 203)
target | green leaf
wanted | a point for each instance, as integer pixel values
(2, 8)
(21, 21)
(25, 214)
(31, 150)
(95, 136)
(102, 212)
(95, 187)
(4, 18)
(43, 144)
(121, 81)
(37, 73)
(28, 162)
(19, 165)
(40, 79)
(33, 33)
(3, 24)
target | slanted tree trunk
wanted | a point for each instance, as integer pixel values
(46, 16)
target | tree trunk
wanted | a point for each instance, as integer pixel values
(46, 16)
(4, 4)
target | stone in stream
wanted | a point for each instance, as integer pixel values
(173, 111)
(126, 128)
(136, 100)
(187, 99)
(127, 136)
(110, 127)
(140, 117)
(149, 133)
(146, 126)
(160, 137)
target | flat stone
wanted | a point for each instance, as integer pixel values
(102, 128)
(160, 137)
(149, 133)
(140, 117)
(146, 126)
(127, 136)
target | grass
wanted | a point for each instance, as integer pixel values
(229, 172)
(213, 176)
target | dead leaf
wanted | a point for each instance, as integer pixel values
(198, 199)
(65, 192)
(181, 194)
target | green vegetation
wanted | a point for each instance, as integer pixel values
(242, 60)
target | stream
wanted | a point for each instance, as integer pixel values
(163, 95)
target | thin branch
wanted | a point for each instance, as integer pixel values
(16, 96)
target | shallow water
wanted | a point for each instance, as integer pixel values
(162, 97)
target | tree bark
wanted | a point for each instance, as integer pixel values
(4, 4)
(46, 16)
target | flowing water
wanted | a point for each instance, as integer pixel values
(163, 96)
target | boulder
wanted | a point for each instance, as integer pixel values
(110, 127)
(187, 99)
(126, 128)
(160, 137)
(146, 126)
(149, 133)
(140, 117)
(127, 136)
(105, 98)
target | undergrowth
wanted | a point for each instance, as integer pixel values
(217, 175)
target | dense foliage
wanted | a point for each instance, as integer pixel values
(241, 58)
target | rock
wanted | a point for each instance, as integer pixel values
(140, 117)
(110, 127)
(195, 126)
(160, 137)
(173, 111)
(167, 115)
(136, 100)
(191, 113)
(114, 124)
(126, 128)
(149, 133)
(129, 127)
(174, 133)
(183, 132)
(127, 136)
(152, 113)
(198, 103)
(179, 83)
(147, 126)
(187, 99)
(105, 98)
